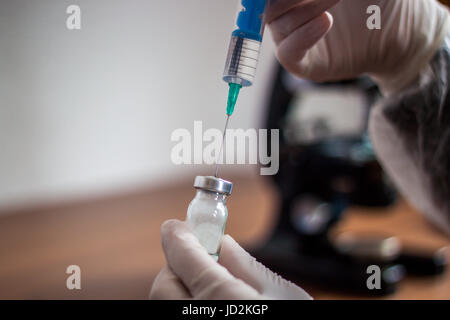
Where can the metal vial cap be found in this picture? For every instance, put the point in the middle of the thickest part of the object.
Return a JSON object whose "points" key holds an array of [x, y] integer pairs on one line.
{"points": [[213, 184]]}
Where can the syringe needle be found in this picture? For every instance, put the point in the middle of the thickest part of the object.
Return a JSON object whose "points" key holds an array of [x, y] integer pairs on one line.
{"points": [[221, 146]]}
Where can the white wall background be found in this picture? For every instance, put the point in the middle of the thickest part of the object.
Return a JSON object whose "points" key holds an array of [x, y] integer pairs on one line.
{"points": [[91, 111]]}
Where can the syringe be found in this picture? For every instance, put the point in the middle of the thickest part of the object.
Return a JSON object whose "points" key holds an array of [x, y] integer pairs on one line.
{"points": [[243, 50], [243, 54]]}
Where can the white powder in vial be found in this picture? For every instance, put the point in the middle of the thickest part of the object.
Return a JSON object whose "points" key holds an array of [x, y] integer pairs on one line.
{"points": [[209, 236]]}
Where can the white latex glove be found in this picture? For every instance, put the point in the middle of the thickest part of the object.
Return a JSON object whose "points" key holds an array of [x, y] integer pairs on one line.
{"points": [[192, 273], [411, 32]]}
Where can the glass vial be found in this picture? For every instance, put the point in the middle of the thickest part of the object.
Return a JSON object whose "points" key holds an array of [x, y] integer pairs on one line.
{"points": [[207, 213]]}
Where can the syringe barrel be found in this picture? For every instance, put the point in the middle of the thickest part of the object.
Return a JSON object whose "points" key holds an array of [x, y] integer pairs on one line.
{"points": [[242, 59], [245, 43]]}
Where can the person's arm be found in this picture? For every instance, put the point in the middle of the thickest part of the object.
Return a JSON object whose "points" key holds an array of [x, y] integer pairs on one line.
{"points": [[409, 61], [411, 135]]}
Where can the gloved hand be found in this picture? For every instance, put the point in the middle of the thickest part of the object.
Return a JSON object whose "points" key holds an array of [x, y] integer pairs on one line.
{"points": [[408, 58], [411, 32], [192, 273]]}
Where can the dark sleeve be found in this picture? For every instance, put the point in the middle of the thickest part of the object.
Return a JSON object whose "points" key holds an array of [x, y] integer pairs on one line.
{"points": [[418, 122]]}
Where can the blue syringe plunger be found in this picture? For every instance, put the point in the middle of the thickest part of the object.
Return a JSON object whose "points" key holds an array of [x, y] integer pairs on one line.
{"points": [[250, 20]]}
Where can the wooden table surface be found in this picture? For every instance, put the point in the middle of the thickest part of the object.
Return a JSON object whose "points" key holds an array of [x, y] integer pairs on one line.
{"points": [[116, 241]]}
